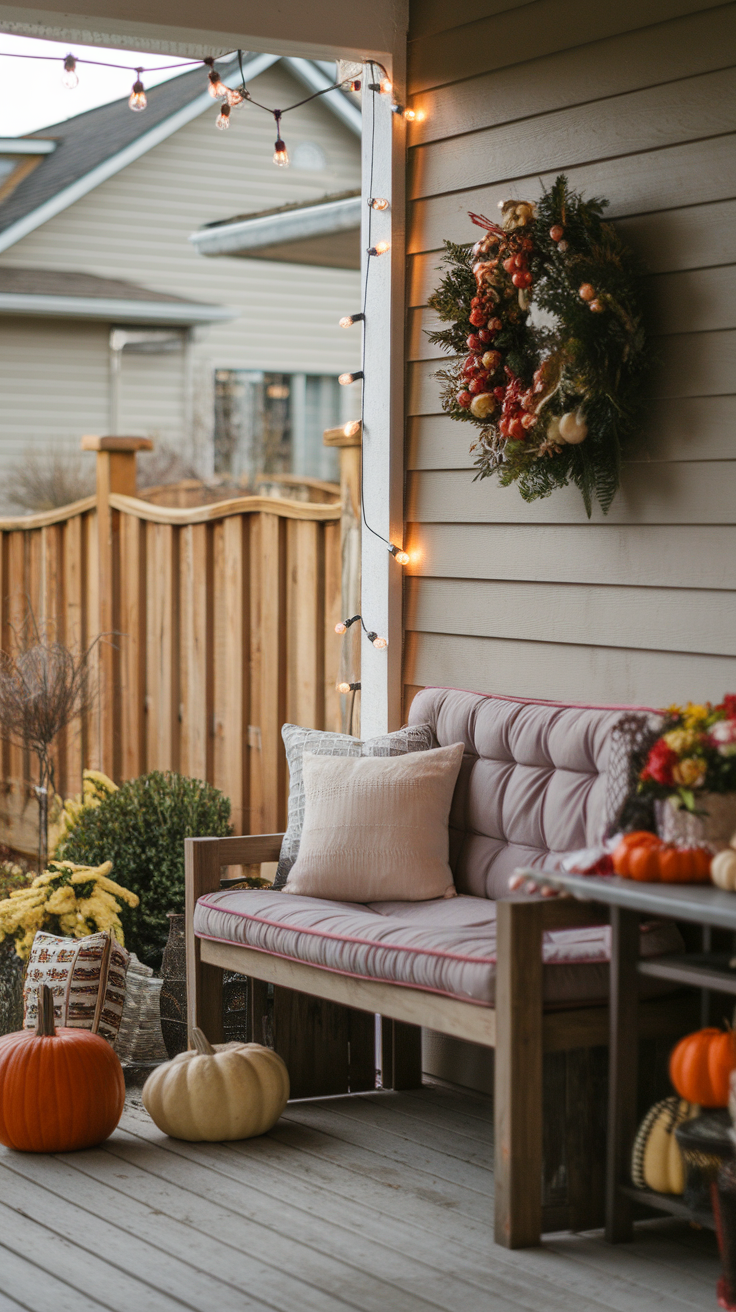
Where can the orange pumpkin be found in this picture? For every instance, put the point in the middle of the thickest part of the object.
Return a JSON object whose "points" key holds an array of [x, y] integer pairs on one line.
{"points": [[701, 1064], [645, 857], [59, 1089]]}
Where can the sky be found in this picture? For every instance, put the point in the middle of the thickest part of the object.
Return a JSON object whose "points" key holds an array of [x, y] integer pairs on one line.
{"points": [[32, 95]]}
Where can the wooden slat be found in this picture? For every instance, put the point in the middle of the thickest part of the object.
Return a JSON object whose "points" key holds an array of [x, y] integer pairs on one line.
{"points": [[231, 713], [610, 616], [332, 613], [132, 642], [91, 754], [272, 636], [162, 701], [279, 506], [649, 494], [73, 574], [535, 29], [649, 556], [599, 675], [689, 428], [305, 625], [196, 582], [676, 176], [680, 48]]}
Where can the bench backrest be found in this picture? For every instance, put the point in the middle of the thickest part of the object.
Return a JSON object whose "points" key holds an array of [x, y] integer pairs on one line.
{"points": [[537, 779]]}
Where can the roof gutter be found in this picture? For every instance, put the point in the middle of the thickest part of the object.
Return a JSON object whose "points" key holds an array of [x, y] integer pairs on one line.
{"points": [[113, 309], [109, 167], [26, 146], [268, 229]]}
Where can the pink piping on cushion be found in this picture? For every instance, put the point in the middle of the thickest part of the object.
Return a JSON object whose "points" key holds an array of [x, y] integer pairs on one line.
{"points": [[345, 938], [538, 701], [348, 974]]}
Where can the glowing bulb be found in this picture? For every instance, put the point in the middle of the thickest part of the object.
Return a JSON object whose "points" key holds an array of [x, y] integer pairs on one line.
{"points": [[235, 98], [354, 85], [343, 687], [137, 99], [341, 627], [380, 643], [280, 154], [69, 77], [380, 248], [346, 379], [217, 88], [351, 428], [223, 118], [378, 203], [386, 86], [349, 319], [410, 114]]}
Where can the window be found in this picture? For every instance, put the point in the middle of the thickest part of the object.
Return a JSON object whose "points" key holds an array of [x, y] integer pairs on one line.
{"points": [[269, 423]]}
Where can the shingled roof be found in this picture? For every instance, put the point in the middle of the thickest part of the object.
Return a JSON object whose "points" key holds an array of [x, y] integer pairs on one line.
{"points": [[88, 139]]}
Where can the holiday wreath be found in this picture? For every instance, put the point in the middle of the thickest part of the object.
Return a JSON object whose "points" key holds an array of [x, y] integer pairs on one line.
{"points": [[556, 394]]}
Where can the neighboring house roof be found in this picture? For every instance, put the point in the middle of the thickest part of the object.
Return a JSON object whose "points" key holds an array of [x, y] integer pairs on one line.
{"points": [[93, 146], [53, 294], [324, 232]]}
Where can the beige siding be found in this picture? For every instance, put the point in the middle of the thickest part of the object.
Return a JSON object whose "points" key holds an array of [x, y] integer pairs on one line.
{"points": [[136, 226], [634, 101]]}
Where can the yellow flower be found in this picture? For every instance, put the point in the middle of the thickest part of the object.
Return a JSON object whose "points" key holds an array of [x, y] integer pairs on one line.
{"points": [[690, 772], [696, 716], [61, 901], [682, 740]]}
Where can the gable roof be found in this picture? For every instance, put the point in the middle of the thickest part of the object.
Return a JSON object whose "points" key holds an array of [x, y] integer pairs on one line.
{"points": [[324, 231], [58, 294], [93, 146]]}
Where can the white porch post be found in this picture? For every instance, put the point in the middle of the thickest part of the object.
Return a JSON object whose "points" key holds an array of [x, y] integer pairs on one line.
{"points": [[383, 432]]}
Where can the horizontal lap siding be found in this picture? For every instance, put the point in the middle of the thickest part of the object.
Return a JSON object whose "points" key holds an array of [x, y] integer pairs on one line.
{"points": [[636, 102]]}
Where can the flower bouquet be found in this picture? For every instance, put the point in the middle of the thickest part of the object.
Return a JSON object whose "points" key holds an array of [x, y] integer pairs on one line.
{"points": [[691, 773], [68, 900]]}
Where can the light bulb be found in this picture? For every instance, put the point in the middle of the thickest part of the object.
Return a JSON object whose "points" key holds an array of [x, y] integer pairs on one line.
{"points": [[378, 203], [346, 379], [410, 114], [280, 154], [386, 86], [380, 643], [351, 428], [223, 118], [401, 556], [137, 99], [217, 88], [343, 687], [350, 319], [341, 627], [69, 77], [235, 98], [380, 248]]}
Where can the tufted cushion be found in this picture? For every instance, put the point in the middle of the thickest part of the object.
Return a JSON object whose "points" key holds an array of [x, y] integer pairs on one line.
{"points": [[533, 784]]}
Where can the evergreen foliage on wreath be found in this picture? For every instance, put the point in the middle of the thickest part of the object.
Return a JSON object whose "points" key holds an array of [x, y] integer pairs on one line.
{"points": [[558, 394]]}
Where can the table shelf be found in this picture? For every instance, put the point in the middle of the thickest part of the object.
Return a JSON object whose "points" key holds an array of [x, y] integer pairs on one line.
{"points": [[700, 970], [671, 1203]]}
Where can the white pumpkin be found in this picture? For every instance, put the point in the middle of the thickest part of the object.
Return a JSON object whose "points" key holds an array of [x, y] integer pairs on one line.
{"points": [[723, 869], [229, 1091], [573, 428]]}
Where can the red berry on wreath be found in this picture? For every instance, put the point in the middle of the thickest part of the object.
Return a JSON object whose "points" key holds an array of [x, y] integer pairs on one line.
{"points": [[503, 427], [478, 318], [557, 232], [495, 325], [477, 384], [474, 343], [485, 336], [510, 264], [464, 399], [522, 279], [520, 261], [516, 430], [475, 302], [587, 292], [596, 305], [499, 393]]}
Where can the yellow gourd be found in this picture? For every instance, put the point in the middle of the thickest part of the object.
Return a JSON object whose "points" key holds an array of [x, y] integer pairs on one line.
{"points": [[657, 1161], [723, 868], [229, 1091]]}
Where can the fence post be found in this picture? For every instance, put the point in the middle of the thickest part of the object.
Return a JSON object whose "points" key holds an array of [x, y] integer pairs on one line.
{"points": [[116, 473], [349, 443]]}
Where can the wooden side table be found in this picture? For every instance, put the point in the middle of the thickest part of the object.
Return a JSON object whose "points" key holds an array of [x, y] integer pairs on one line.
{"points": [[702, 905]]}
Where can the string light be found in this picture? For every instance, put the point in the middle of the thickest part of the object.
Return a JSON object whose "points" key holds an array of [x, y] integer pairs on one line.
{"points": [[385, 86], [137, 99], [378, 203], [235, 97], [349, 319], [343, 625], [280, 153], [346, 379], [70, 77], [350, 429], [380, 248], [348, 687], [401, 556], [223, 118], [217, 88]]}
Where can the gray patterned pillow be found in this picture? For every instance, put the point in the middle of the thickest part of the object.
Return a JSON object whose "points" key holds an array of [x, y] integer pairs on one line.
{"points": [[297, 741]]}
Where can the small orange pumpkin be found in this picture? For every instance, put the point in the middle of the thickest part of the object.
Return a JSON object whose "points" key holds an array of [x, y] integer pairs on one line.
{"points": [[59, 1089], [701, 1064], [644, 857]]}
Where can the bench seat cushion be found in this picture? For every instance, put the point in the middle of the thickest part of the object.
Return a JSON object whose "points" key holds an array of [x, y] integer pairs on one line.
{"points": [[446, 947]]}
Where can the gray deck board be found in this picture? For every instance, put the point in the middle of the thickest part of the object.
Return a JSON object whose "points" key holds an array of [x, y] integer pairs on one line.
{"points": [[378, 1202]]}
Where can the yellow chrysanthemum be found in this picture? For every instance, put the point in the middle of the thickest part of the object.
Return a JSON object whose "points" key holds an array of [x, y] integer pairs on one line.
{"points": [[682, 741], [696, 715]]}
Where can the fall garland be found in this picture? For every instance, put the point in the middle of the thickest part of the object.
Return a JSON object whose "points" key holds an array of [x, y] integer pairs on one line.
{"points": [[548, 309]]}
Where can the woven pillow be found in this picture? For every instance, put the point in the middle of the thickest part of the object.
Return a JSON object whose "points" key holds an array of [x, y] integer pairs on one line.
{"points": [[377, 830], [297, 741], [76, 969]]}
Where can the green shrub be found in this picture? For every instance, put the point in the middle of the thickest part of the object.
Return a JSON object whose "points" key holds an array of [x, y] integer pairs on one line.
{"points": [[141, 828]]}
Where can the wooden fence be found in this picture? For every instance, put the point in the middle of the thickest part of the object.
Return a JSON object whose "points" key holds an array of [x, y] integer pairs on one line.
{"points": [[217, 623]]}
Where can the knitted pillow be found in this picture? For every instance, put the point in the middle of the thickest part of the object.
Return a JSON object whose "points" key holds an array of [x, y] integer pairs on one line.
{"points": [[86, 977], [297, 741]]}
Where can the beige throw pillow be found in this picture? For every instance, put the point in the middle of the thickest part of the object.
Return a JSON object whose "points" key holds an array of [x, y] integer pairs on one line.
{"points": [[375, 828]]}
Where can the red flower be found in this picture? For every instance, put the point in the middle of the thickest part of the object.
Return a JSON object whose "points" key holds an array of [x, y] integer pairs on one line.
{"points": [[729, 706], [659, 764]]}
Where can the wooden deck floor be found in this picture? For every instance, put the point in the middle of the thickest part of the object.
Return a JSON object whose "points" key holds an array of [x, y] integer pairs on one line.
{"points": [[377, 1203]]}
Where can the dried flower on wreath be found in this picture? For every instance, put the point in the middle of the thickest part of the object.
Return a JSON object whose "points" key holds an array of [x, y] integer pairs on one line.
{"points": [[547, 327]]}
